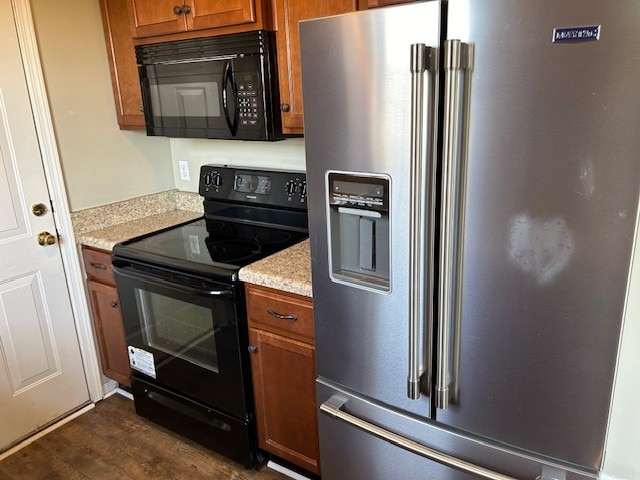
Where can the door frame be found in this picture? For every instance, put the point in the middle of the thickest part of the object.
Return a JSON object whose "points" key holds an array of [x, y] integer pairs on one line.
{"points": [[57, 192]]}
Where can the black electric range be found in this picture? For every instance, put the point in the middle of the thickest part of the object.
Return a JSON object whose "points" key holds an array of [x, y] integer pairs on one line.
{"points": [[184, 311]]}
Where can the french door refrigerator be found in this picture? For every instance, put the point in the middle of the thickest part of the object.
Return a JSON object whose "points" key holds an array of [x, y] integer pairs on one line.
{"points": [[473, 177]]}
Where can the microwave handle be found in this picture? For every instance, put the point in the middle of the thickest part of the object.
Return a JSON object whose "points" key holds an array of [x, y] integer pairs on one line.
{"points": [[228, 78]]}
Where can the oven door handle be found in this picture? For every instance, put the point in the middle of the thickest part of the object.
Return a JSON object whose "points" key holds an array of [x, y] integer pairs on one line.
{"points": [[166, 283]]}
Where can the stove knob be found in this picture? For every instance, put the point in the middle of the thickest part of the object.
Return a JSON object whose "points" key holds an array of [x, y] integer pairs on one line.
{"points": [[207, 179], [217, 179], [303, 192], [291, 187]]}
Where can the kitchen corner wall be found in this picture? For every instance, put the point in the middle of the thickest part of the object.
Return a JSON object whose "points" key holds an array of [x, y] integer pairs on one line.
{"points": [[101, 163], [284, 155]]}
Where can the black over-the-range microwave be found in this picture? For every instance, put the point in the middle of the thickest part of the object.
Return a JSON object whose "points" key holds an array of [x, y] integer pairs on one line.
{"points": [[215, 87]]}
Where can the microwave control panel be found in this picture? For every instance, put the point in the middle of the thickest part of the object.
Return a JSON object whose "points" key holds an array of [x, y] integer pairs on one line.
{"points": [[248, 99]]}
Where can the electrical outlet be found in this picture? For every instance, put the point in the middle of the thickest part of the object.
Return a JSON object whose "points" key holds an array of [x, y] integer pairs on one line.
{"points": [[184, 170]]}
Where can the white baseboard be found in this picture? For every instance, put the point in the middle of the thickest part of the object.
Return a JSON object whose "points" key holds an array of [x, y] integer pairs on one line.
{"points": [[285, 471], [124, 393]]}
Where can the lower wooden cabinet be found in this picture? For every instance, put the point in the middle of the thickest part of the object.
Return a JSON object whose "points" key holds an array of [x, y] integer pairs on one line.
{"points": [[107, 316], [284, 373]]}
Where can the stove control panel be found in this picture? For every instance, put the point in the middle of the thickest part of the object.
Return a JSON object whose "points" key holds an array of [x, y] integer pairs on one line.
{"points": [[266, 187]]}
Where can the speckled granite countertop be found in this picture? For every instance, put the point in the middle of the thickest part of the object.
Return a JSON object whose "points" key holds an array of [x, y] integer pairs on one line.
{"points": [[106, 238], [288, 270], [104, 226]]}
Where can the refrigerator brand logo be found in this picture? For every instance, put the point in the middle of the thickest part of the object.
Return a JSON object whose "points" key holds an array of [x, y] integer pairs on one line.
{"points": [[576, 34]]}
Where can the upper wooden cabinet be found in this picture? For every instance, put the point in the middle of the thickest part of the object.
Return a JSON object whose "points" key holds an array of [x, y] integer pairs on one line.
{"points": [[287, 14], [164, 17], [122, 64], [365, 4]]}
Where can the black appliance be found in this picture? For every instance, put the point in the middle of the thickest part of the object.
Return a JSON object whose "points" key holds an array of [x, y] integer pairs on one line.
{"points": [[184, 309], [215, 87]]}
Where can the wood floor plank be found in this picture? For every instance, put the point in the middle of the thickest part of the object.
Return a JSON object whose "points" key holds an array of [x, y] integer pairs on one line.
{"points": [[73, 446], [35, 463], [4, 476], [112, 453], [112, 442]]}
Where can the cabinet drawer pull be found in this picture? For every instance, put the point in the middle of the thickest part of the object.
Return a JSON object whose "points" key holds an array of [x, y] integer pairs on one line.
{"points": [[292, 317], [98, 265]]}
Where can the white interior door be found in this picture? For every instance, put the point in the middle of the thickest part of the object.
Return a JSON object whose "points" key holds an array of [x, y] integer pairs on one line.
{"points": [[41, 370]]}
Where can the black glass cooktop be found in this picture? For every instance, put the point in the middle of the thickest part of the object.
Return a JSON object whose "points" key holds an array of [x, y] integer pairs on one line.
{"points": [[209, 246]]}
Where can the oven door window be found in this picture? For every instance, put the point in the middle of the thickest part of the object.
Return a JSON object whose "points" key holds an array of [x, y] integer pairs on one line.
{"points": [[179, 329]]}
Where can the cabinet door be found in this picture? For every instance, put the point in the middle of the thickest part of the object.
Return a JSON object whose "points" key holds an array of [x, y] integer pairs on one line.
{"points": [[156, 17], [284, 376], [222, 13], [287, 14], [364, 4], [109, 328], [122, 64]]}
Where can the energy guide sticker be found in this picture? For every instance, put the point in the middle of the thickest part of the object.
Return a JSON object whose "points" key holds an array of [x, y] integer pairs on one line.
{"points": [[142, 361]]}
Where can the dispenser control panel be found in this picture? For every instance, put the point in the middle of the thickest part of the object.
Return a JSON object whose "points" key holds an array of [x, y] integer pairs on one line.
{"points": [[358, 191], [358, 227]]}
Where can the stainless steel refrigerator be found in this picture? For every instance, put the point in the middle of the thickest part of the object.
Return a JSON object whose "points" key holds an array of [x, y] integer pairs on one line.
{"points": [[473, 176]]}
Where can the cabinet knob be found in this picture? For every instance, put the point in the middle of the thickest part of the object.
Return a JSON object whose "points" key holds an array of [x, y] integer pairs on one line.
{"points": [[182, 9], [252, 349], [141, 108], [284, 107], [114, 304]]}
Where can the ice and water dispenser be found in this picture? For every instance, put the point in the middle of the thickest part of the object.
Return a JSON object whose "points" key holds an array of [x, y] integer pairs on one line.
{"points": [[359, 236]]}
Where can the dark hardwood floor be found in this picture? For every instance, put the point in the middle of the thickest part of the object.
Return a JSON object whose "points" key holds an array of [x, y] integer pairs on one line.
{"points": [[112, 442]]}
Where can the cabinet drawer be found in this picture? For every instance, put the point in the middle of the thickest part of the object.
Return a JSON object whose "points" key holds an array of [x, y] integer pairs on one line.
{"points": [[279, 310], [97, 264]]}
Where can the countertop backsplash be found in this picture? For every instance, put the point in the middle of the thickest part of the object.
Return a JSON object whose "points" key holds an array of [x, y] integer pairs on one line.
{"points": [[121, 212]]}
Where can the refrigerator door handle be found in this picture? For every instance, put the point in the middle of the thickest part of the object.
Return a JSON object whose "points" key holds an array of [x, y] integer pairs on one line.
{"points": [[457, 57], [421, 57], [333, 408]]}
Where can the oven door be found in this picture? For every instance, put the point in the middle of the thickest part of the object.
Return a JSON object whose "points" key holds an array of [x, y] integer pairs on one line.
{"points": [[185, 336]]}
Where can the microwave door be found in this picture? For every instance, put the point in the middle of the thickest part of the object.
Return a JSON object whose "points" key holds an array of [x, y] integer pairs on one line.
{"points": [[187, 100]]}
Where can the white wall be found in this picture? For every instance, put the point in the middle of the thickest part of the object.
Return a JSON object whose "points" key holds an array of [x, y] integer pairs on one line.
{"points": [[284, 155], [101, 163], [622, 457]]}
